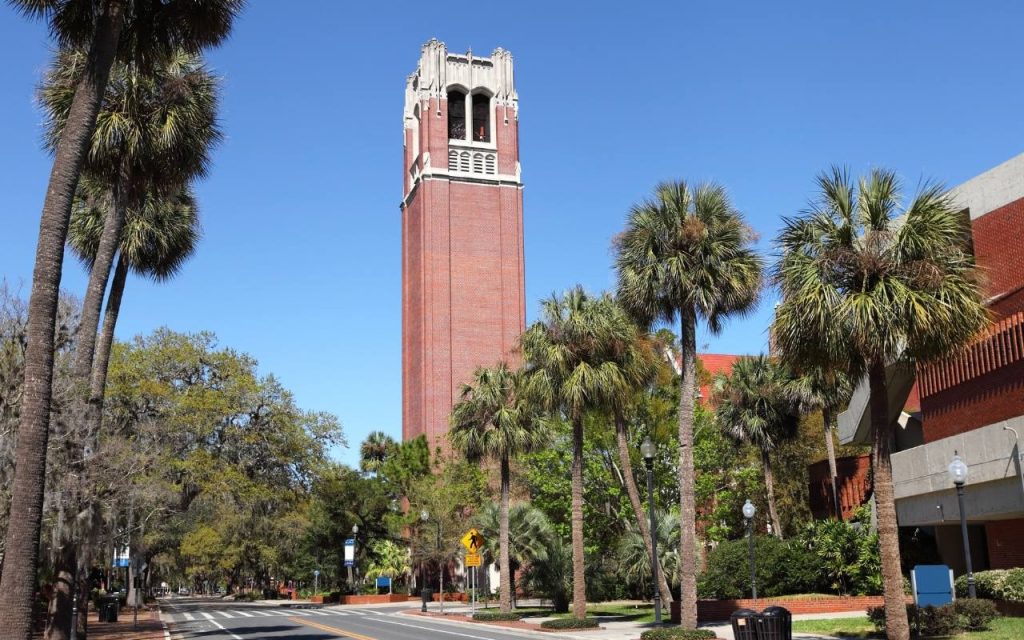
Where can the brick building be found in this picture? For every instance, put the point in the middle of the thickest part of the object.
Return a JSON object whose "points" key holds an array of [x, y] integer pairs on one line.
{"points": [[463, 300], [972, 403]]}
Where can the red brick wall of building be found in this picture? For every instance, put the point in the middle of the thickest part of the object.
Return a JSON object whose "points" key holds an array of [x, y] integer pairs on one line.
{"points": [[463, 289], [1005, 543], [997, 393], [854, 485]]}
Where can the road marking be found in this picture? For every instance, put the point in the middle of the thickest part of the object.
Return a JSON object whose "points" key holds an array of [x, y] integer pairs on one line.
{"points": [[243, 613], [434, 629], [188, 616], [263, 613], [206, 615], [330, 629], [221, 627], [317, 612], [226, 614]]}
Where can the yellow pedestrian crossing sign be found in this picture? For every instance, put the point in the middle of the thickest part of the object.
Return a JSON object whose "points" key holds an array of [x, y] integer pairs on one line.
{"points": [[473, 541], [472, 559]]}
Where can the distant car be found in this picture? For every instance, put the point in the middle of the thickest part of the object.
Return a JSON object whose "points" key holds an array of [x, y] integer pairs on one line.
{"points": [[183, 591]]}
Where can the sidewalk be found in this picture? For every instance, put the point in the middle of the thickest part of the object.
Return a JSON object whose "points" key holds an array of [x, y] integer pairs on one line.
{"points": [[611, 627], [150, 627]]}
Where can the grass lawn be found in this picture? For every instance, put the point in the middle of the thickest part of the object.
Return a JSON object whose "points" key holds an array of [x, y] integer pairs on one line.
{"points": [[1001, 628], [635, 613]]}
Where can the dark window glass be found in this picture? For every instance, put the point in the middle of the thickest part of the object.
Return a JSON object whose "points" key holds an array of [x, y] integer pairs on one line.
{"points": [[456, 115], [481, 118]]}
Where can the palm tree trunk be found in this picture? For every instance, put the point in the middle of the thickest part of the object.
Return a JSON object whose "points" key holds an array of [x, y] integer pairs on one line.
{"points": [[579, 585], [59, 625], [769, 484], [629, 480], [687, 500], [827, 419], [896, 625], [18, 581], [503, 564], [101, 362], [99, 275]]}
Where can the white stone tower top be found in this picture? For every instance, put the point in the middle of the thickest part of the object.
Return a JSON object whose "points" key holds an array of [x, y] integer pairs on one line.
{"points": [[439, 71]]}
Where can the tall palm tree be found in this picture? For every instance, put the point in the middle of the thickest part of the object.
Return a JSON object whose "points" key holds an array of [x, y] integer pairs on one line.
{"points": [[374, 450], [755, 406], [493, 419], [141, 30], [571, 361], [686, 254], [155, 130], [865, 284], [639, 360], [826, 390]]}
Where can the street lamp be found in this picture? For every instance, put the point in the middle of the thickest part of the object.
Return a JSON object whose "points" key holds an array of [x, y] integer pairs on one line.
{"points": [[958, 474], [748, 514], [353, 569], [647, 450], [425, 517]]}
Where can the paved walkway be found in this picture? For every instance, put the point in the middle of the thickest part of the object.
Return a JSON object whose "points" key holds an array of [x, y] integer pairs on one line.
{"points": [[613, 629], [149, 628]]}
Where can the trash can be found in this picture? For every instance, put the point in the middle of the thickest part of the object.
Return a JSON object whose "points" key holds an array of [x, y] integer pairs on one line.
{"points": [[744, 624], [108, 610], [776, 623], [426, 596]]}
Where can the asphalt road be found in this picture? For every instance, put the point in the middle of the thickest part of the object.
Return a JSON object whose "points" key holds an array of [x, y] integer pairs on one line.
{"points": [[198, 619]]}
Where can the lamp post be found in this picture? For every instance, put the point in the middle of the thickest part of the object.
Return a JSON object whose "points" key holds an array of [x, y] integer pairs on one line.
{"points": [[351, 581], [647, 450], [425, 517], [958, 474], [748, 514]]}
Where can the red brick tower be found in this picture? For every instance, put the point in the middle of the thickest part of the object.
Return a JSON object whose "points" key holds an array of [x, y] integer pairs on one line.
{"points": [[463, 300]]}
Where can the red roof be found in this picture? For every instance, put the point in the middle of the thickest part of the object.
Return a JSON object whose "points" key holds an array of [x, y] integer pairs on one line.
{"points": [[714, 364]]}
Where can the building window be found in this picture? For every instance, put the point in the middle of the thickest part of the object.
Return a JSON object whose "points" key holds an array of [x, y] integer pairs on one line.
{"points": [[481, 118], [456, 115]]}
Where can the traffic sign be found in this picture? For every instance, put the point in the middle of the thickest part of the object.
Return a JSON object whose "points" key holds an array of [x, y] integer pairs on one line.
{"points": [[472, 559], [473, 541]]}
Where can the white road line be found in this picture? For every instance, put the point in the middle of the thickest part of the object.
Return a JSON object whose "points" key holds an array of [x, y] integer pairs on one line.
{"points": [[317, 612], [188, 616], [434, 629], [226, 614], [263, 613], [243, 613], [205, 615], [219, 626]]}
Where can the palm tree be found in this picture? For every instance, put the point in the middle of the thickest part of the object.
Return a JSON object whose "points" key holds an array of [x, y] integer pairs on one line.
{"points": [[390, 560], [154, 131], [160, 235], [827, 390], [864, 285], [141, 30], [755, 406], [570, 357], [493, 419], [638, 360], [635, 556], [529, 535], [374, 450], [686, 254]]}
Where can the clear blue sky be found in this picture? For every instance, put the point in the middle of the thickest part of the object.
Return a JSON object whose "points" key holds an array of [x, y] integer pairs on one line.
{"points": [[300, 263]]}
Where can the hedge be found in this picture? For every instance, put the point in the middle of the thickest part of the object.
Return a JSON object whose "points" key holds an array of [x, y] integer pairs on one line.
{"points": [[496, 616], [678, 633], [949, 619], [997, 584], [570, 623]]}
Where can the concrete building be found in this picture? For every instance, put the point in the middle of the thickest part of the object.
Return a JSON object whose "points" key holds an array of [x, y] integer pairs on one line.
{"points": [[463, 291], [971, 403]]}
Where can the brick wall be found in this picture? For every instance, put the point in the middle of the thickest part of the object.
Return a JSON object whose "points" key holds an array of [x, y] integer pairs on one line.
{"points": [[854, 485], [1005, 543], [986, 385]]}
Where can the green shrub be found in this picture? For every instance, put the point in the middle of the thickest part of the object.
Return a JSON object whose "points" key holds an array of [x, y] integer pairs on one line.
{"points": [[247, 596], [494, 616], [570, 623], [677, 633], [783, 568], [961, 615], [998, 584], [974, 615]]}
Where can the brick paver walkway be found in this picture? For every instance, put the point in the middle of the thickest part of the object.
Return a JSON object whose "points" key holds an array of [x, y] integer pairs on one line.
{"points": [[150, 627]]}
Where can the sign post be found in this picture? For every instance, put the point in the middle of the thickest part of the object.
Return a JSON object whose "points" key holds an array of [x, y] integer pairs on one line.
{"points": [[316, 581], [473, 541]]}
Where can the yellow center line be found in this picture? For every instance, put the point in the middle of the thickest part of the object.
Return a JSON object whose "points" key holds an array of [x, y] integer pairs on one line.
{"points": [[324, 627]]}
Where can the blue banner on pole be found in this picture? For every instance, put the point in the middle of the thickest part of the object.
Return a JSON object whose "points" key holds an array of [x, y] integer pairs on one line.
{"points": [[350, 552]]}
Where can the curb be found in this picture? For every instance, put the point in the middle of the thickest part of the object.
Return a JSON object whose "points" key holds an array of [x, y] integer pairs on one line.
{"points": [[465, 623]]}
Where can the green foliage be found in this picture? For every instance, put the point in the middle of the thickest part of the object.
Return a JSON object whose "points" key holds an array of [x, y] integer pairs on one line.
{"points": [[783, 567], [551, 577], [570, 623], [495, 616], [847, 553], [677, 633], [997, 584], [949, 619]]}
